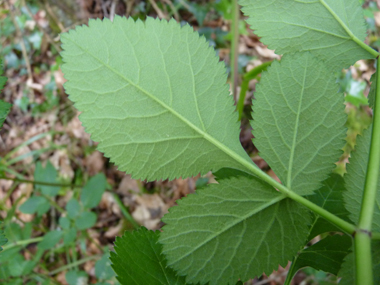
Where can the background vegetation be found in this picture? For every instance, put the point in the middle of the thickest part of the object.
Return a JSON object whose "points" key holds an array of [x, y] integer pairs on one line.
{"points": [[61, 227]]}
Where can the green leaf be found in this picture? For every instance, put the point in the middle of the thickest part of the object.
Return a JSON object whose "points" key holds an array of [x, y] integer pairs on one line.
{"points": [[50, 240], [322, 27], [227, 231], [76, 277], [3, 239], [73, 208], [355, 180], [48, 175], [85, 220], [138, 260], [4, 110], [93, 190], [372, 91], [347, 271], [326, 255], [329, 197], [103, 269], [154, 96], [69, 236], [3, 79], [299, 121], [35, 204], [64, 222]]}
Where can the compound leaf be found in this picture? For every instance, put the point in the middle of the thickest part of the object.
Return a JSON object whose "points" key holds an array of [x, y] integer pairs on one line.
{"points": [[326, 255], [333, 30], [355, 180], [329, 197], [299, 121], [233, 230], [138, 260], [154, 96]]}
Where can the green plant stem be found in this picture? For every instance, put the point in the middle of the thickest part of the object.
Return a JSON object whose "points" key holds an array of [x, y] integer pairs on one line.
{"points": [[363, 258], [363, 235], [21, 242], [234, 46], [252, 74], [348, 31], [125, 212], [76, 263], [41, 182]]}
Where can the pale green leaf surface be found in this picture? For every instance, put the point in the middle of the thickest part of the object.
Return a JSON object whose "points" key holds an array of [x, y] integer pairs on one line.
{"points": [[355, 180], [238, 228], [331, 29], [298, 121], [327, 255], [154, 96], [347, 271], [330, 198], [138, 260]]}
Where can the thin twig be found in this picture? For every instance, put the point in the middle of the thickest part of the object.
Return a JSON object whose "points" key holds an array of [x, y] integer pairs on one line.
{"points": [[160, 14], [173, 8]]}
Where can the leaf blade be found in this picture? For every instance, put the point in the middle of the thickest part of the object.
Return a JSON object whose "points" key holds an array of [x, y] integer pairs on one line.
{"points": [[321, 27], [232, 222], [139, 250], [299, 121], [141, 96]]}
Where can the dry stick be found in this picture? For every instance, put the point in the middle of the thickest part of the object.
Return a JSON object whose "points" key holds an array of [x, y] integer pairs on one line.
{"points": [[175, 11], [129, 4], [53, 16], [112, 10], [22, 44], [160, 14], [48, 37]]}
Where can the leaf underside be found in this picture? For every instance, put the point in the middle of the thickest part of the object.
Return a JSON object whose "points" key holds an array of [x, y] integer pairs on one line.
{"points": [[355, 180], [138, 260], [153, 95], [330, 198], [298, 121], [322, 27], [239, 228], [327, 255]]}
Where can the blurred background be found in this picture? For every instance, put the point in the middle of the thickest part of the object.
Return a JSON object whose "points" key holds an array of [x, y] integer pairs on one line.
{"points": [[61, 227]]}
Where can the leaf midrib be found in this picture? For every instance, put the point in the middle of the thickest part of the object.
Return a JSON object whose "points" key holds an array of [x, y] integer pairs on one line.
{"points": [[212, 140], [227, 227]]}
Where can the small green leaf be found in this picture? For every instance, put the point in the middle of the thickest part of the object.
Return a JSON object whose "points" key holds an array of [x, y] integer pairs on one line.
{"points": [[103, 269], [3, 239], [4, 110], [299, 121], [160, 116], [138, 260], [48, 175], [227, 231], [372, 91], [35, 204], [3, 80], [329, 197], [85, 220], [321, 27], [93, 190], [355, 180], [72, 208], [326, 255], [69, 236], [50, 240], [64, 222], [76, 277]]}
